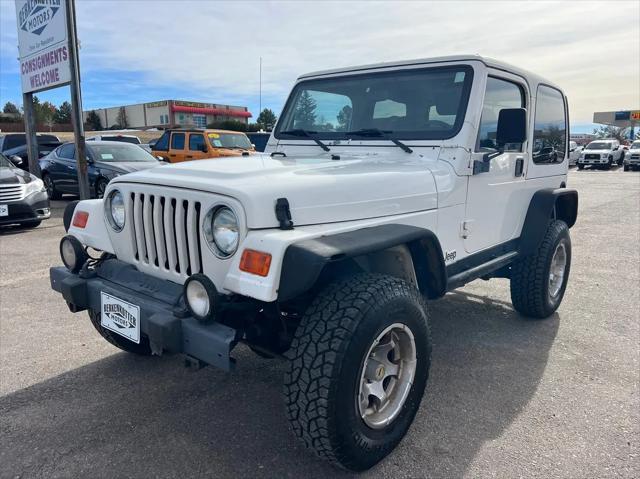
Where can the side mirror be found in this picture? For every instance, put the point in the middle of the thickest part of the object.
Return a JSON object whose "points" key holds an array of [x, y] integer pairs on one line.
{"points": [[512, 126], [253, 145], [16, 160]]}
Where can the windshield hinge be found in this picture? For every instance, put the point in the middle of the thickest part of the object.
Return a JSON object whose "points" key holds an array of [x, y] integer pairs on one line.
{"points": [[283, 214]]}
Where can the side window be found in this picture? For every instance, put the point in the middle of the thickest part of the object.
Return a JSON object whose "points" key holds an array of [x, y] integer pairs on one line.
{"points": [[66, 151], [163, 142], [196, 142], [500, 94], [550, 127], [177, 141]]}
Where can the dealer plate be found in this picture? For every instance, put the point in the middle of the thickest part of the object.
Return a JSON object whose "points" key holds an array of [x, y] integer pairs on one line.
{"points": [[120, 317], [4, 210]]}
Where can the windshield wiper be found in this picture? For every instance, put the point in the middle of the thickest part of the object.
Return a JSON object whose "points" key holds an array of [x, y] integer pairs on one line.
{"points": [[308, 134], [381, 134]]}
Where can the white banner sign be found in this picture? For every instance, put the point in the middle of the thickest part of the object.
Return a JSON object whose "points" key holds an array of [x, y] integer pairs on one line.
{"points": [[42, 42]]}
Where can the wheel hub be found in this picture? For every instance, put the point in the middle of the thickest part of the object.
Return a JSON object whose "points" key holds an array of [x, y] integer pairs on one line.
{"points": [[387, 376], [557, 270]]}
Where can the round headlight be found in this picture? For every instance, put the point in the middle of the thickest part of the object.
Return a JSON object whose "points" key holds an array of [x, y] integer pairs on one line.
{"points": [[222, 230], [115, 210]]}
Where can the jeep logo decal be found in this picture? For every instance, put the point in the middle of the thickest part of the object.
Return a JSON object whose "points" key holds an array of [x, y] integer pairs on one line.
{"points": [[449, 256], [35, 15]]}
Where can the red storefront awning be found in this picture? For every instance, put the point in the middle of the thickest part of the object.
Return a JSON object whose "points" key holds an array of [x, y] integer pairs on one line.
{"points": [[210, 111]]}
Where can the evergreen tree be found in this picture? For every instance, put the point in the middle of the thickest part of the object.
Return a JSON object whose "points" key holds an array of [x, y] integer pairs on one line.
{"points": [[267, 119], [93, 120], [63, 114], [11, 109], [305, 113], [344, 117]]}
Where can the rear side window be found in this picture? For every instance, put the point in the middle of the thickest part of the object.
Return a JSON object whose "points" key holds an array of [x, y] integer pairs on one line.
{"points": [[13, 141], [500, 94], [163, 142], [177, 141], [196, 142], [66, 151], [550, 127]]}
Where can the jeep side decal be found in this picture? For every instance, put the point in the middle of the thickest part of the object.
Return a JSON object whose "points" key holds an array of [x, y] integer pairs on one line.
{"points": [[449, 256]]}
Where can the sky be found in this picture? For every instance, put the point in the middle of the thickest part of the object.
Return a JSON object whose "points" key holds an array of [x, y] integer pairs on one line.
{"points": [[139, 51]]}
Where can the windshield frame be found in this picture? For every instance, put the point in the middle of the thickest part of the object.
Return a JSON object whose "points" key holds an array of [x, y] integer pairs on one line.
{"points": [[399, 135]]}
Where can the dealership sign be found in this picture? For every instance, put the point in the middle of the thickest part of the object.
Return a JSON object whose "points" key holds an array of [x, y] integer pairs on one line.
{"points": [[42, 43]]}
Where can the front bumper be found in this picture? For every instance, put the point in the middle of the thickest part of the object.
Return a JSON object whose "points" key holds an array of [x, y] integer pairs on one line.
{"points": [[163, 317], [34, 207], [592, 161]]}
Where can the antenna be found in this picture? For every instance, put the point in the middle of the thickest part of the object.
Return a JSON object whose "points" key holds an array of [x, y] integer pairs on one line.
{"points": [[260, 89]]}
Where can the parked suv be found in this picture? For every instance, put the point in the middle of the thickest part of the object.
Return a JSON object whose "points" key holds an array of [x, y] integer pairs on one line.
{"points": [[381, 186], [602, 154], [574, 153], [632, 158], [179, 145]]}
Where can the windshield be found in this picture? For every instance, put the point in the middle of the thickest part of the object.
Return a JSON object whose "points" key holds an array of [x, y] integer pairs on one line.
{"points": [[410, 104], [635, 145], [599, 145], [229, 140], [5, 163], [119, 152], [123, 139]]}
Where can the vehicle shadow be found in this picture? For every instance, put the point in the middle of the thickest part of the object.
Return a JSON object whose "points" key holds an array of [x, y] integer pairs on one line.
{"points": [[148, 417]]}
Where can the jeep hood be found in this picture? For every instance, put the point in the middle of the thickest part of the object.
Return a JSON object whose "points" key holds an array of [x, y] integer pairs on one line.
{"points": [[319, 189]]}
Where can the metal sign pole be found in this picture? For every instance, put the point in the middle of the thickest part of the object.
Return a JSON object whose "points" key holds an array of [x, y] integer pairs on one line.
{"points": [[76, 102], [30, 134]]}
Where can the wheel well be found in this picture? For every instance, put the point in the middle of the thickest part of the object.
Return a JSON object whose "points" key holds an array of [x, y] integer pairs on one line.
{"points": [[419, 263], [566, 209]]}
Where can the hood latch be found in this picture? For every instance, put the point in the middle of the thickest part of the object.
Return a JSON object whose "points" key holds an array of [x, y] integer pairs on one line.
{"points": [[283, 214]]}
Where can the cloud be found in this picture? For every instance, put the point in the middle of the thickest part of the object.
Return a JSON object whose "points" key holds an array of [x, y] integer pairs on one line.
{"points": [[211, 50]]}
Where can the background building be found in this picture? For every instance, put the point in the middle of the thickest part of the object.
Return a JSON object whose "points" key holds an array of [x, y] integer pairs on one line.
{"points": [[170, 113]]}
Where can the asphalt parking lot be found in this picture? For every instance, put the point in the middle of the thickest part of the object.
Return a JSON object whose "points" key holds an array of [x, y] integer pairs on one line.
{"points": [[506, 397]]}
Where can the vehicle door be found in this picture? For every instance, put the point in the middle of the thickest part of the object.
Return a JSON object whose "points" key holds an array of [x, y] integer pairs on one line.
{"points": [[197, 148], [160, 148], [177, 152], [493, 211], [63, 169]]}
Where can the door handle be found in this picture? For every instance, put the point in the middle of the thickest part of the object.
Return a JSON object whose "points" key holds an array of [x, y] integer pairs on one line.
{"points": [[519, 166]]}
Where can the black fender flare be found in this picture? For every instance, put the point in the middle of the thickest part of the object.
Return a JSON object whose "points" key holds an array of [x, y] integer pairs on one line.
{"points": [[305, 260], [563, 201], [68, 214]]}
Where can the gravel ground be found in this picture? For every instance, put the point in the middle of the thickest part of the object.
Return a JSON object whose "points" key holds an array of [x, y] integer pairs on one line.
{"points": [[506, 397]]}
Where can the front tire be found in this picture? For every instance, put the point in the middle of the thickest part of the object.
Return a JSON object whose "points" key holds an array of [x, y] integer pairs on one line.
{"points": [[52, 193], [143, 348], [580, 166], [358, 367], [538, 281], [626, 167], [101, 187]]}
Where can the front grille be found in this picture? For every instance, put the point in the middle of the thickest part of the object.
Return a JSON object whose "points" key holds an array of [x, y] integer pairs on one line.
{"points": [[591, 156], [12, 192], [635, 156], [166, 232]]}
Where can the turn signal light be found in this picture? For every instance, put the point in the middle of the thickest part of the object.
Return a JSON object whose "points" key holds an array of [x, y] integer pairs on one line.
{"points": [[80, 219], [255, 262]]}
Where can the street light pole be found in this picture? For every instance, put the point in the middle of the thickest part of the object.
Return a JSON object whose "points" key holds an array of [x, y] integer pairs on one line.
{"points": [[76, 102]]}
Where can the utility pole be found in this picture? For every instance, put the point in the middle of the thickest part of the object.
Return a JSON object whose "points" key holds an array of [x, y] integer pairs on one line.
{"points": [[260, 88], [30, 134], [76, 102]]}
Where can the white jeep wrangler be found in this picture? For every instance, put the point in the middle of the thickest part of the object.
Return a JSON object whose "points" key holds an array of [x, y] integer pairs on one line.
{"points": [[382, 186]]}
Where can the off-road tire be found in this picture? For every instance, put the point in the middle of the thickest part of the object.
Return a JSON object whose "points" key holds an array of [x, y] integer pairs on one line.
{"points": [[51, 188], [580, 167], [118, 341], [626, 167], [530, 275], [325, 362]]}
